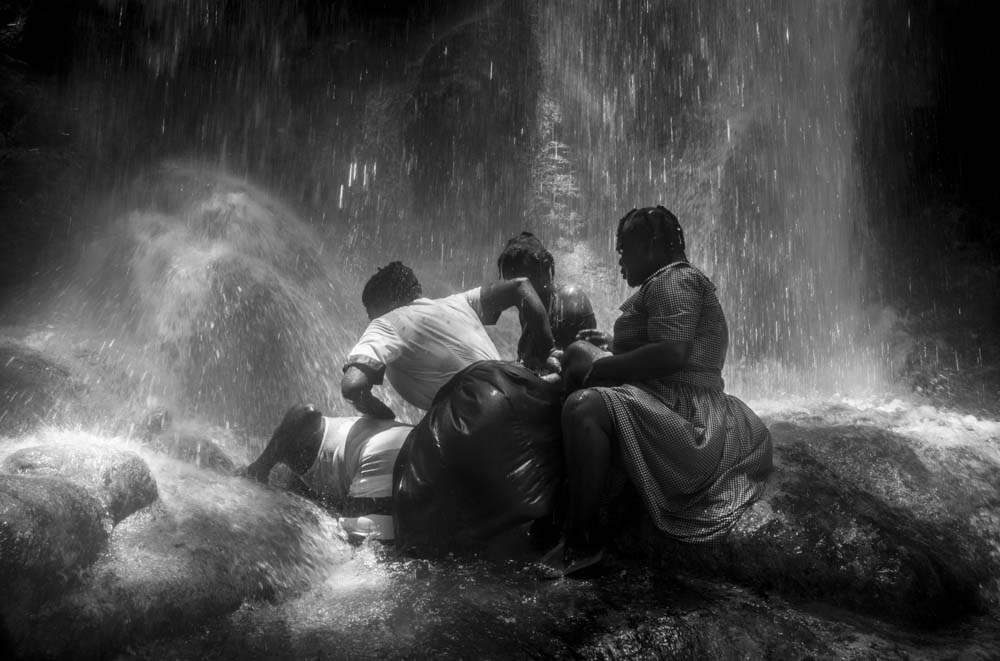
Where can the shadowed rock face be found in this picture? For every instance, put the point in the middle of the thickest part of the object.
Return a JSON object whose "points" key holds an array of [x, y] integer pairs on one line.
{"points": [[50, 529], [48, 525], [865, 518]]}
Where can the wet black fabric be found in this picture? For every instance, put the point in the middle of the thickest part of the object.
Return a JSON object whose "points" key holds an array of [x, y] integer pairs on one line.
{"points": [[487, 457]]}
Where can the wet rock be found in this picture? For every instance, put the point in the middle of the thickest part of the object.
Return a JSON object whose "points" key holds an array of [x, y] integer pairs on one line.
{"points": [[196, 444], [283, 477], [196, 449], [209, 544], [120, 480], [861, 517], [50, 529]]}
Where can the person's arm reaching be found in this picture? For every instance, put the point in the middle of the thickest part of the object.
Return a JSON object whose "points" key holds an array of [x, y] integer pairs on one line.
{"points": [[650, 361], [498, 296], [356, 387]]}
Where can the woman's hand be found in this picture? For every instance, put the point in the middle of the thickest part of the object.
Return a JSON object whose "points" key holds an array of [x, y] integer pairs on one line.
{"points": [[600, 339], [553, 365]]}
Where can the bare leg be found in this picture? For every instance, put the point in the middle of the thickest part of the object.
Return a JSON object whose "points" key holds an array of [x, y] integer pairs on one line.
{"points": [[295, 442], [588, 443]]}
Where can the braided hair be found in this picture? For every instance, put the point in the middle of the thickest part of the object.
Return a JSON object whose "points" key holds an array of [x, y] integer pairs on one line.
{"points": [[393, 283], [653, 223], [525, 249]]}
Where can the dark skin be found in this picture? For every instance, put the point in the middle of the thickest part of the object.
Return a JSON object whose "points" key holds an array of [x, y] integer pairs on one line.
{"points": [[295, 443], [541, 282], [540, 278], [639, 259], [588, 432], [357, 384]]}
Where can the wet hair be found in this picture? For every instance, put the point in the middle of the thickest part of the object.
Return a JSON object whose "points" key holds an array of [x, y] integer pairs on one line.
{"points": [[525, 248], [653, 223], [392, 283]]}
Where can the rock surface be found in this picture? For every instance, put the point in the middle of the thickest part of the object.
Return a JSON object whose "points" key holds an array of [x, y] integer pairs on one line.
{"points": [[196, 449], [207, 545], [50, 529], [861, 517]]}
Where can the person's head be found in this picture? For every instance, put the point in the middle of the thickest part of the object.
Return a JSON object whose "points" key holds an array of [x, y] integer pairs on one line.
{"points": [[524, 256], [570, 313], [392, 286], [648, 239]]}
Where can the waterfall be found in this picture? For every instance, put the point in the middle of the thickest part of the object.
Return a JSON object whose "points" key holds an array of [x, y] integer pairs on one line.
{"points": [[736, 116], [432, 137]]}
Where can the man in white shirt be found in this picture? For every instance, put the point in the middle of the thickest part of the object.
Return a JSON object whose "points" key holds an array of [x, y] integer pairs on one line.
{"points": [[419, 344]]}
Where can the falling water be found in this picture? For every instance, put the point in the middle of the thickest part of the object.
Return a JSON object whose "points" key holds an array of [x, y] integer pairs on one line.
{"points": [[736, 116], [230, 305], [432, 140]]}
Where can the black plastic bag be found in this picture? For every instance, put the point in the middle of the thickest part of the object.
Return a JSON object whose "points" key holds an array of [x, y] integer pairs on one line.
{"points": [[486, 457]]}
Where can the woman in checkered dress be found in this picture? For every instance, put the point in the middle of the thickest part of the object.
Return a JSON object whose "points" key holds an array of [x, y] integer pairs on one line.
{"points": [[655, 404]]}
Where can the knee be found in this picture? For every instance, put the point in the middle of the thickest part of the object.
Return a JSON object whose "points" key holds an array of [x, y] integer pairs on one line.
{"points": [[581, 408]]}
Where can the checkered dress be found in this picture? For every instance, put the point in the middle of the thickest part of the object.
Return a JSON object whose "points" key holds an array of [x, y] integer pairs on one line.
{"points": [[697, 456]]}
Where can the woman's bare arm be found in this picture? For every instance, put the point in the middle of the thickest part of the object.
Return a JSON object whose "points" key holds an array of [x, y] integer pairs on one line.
{"points": [[518, 292], [650, 361]]}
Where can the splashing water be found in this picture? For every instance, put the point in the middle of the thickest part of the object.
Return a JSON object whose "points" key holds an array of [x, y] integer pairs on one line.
{"points": [[227, 295]]}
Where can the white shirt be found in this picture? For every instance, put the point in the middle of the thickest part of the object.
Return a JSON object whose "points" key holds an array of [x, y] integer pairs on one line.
{"points": [[420, 346], [356, 458]]}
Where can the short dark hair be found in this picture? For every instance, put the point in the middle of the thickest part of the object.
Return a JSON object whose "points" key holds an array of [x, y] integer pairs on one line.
{"points": [[525, 248], [651, 223], [392, 283]]}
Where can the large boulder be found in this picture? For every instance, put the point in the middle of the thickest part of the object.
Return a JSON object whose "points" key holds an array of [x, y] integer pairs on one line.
{"points": [[58, 504], [863, 517], [209, 543], [119, 479], [50, 529]]}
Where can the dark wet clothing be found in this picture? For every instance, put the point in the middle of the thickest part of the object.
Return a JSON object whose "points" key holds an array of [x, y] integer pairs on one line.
{"points": [[697, 456]]}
